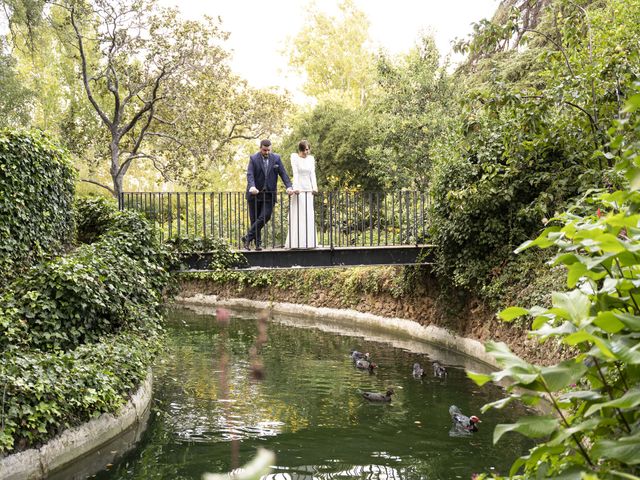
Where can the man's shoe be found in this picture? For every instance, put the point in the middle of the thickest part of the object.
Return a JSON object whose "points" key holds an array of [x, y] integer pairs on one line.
{"points": [[258, 248], [245, 243]]}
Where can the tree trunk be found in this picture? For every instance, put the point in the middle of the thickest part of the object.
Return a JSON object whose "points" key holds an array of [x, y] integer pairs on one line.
{"points": [[116, 174]]}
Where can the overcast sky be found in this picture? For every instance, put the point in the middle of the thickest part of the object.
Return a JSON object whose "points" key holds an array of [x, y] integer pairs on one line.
{"points": [[259, 29]]}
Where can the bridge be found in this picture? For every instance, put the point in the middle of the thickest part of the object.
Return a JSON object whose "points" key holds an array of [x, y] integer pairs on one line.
{"points": [[351, 228]]}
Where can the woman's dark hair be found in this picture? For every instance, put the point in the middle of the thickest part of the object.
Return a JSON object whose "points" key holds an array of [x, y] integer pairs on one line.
{"points": [[303, 145]]}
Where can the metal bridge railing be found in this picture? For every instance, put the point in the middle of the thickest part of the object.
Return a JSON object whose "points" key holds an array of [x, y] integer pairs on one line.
{"points": [[341, 219]]}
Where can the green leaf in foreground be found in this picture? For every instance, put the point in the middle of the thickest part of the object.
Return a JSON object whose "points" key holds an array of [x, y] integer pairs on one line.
{"points": [[532, 427], [625, 449]]}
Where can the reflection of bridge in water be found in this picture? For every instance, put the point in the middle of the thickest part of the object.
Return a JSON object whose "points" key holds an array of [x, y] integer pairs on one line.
{"points": [[351, 228]]}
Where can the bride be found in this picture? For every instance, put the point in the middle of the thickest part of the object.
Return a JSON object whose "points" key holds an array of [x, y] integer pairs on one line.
{"points": [[302, 228]]}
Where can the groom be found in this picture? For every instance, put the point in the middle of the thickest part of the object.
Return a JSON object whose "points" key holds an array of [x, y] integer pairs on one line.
{"points": [[262, 182]]}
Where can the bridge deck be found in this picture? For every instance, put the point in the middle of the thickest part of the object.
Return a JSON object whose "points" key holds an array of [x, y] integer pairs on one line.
{"points": [[321, 257]]}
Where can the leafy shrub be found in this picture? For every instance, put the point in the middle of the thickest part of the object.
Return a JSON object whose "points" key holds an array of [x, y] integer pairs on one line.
{"points": [[99, 289], [81, 297], [596, 394], [93, 216], [79, 332], [46, 392], [36, 195], [222, 258]]}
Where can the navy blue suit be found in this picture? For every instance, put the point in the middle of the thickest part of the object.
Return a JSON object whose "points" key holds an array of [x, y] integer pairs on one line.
{"points": [[261, 205]]}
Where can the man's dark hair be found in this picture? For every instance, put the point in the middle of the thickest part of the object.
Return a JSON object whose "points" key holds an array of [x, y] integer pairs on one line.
{"points": [[265, 143]]}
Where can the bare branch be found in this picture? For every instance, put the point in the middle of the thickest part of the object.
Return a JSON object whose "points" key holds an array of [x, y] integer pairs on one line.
{"points": [[148, 105], [88, 180], [85, 78]]}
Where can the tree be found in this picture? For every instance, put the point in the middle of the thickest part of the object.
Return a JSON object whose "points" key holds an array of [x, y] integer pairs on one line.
{"points": [[339, 137], [413, 116], [333, 54], [156, 89], [527, 114], [595, 394], [14, 97]]}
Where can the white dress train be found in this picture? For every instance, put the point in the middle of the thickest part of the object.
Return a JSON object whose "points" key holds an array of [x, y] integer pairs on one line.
{"points": [[302, 225]]}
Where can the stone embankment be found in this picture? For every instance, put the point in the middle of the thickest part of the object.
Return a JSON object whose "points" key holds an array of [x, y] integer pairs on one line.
{"points": [[74, 444], [472, 320]]}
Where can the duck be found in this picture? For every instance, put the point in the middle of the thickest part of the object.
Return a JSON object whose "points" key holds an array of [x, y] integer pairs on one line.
{"points": [[462, 422], [378, 397], [363, 364], [356, 355], [418, 371], [439, 370]]}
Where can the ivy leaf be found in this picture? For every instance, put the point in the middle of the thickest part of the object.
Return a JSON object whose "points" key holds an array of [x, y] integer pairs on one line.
{"points": [[532, 427]]}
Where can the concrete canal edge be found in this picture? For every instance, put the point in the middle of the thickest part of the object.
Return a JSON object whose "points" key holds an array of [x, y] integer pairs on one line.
{"points": [[77, 442], [429, 333]]}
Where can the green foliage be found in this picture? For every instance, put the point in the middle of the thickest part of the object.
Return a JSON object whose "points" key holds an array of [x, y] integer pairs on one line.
{"points": [[412, 117], [79, 332], [332, 53], [46, 392], [94, 215], [222, 258], [349, 285], [595, 394], [36, 195], [81, 297], [527, 115], [165, 101], [113, 284], [340, 138], [14, 97]]}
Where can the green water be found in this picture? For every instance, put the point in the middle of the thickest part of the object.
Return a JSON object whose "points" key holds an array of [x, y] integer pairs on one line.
{"points": [[210, 414]]}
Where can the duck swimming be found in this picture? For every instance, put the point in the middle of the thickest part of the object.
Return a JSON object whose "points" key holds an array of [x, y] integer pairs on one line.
{"points": [[378, 397], [356, 355], [462, 422], [363, 364], [439, 370], [418, 371]]}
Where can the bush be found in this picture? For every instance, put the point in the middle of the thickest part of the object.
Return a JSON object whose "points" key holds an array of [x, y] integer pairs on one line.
{"points": [[81, 297], [100, 289], [46, 392], [94, 215], [595, 395], [36, 194], [79, 332]]}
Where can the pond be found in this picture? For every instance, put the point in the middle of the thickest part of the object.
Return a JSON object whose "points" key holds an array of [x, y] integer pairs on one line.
{"points": [[210, 412]]}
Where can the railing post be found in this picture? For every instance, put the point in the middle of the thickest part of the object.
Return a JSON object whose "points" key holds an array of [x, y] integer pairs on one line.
{"points": [[331, 220]]}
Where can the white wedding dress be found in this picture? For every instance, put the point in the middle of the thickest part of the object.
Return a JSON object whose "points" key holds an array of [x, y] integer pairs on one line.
{"points": [[302, 225]]}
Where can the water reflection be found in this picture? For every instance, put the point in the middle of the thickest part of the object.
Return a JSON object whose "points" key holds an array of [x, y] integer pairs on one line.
{"points": [[365, 472], [211, 412]]}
